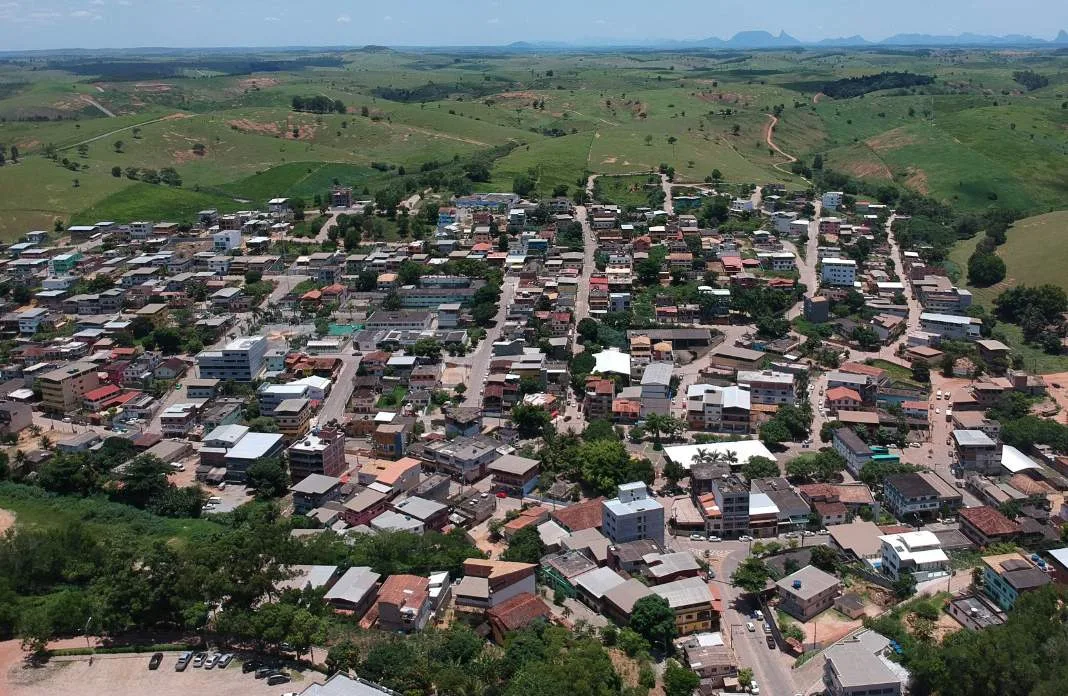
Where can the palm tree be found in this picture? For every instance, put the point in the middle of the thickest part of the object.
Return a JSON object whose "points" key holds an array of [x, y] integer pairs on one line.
{"points": [[657, 423], [566, 611]]}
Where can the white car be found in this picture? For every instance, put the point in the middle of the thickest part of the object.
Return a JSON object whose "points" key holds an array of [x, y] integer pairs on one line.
{"points": [[754, 688], [714, 538], [750, 627], [696, 537], [745, 537]]}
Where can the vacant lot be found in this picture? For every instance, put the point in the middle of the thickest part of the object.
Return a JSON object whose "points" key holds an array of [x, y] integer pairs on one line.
{"points": [[128, 675]]}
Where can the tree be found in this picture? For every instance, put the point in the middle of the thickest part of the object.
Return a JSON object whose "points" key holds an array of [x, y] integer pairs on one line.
{"points": [[343, 657], [118, 145], [751, 575], [921, 371], [530, 421], [524, 547], [116, 172], [774, 433], [143, 479], [428, 348], [654, 619], [905, 586], [674, 472], [985, 269], [745, 677], [824, 558], [679, 681], [268, 477], [587, 329], [760, 467]]}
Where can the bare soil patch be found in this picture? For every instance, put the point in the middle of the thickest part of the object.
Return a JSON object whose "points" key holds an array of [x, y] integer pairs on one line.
{"points": [[246, 126], [258, 82], [868, 170], [529, 96], [155, 87], [7, 520], [917, 180], [891, 140], [724, 98]]}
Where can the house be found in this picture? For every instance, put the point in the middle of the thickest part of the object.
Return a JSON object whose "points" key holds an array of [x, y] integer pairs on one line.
{"points": [[14, 417], [693, 602], [919, 554], [633, 514], [516, 613], [807, 592], [487, 583], [843, 399], [656, 389], [354, 591], [985, 525], [851, 669], [431, 513], [858, 539], [313, 491], [952, 326], [711, 660], [1006, 576], [514, 474], [975, 612]]}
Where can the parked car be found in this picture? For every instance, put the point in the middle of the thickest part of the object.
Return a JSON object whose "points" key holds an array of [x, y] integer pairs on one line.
{"points": [[155, 660], [758, 615], [714, 538], [213, 659], [183, 661], [198, 659], [264, 672], [696, 537], [250, 666], [745, 537], [750, 627], [225, 660], [277, 678]]}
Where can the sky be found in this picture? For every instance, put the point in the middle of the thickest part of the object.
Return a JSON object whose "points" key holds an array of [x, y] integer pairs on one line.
{"points": [[52, 24]]}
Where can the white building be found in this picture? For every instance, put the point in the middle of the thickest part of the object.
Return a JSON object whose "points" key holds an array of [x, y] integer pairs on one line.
{"points": [[777, 260], [240, 360], [951, 326], [226, 240], [140, 229], [831, 200], [768, 386], [633, 514], [840, 272], [782, 219], [917, 553]]}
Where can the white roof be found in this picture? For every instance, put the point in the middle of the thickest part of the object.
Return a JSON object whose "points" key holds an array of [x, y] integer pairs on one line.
{"points": [[1016, 461], [313, 381], [839, 262], [744, 449], [762, 504], [551, 533], [612, 361], [945, 318], [972, 438]]}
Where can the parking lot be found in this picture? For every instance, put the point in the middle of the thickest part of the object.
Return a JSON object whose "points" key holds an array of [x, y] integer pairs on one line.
{"points": [[128, 675]]}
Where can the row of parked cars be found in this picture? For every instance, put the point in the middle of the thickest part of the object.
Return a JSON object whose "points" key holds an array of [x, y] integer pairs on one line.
{"points": [[210, 660]]}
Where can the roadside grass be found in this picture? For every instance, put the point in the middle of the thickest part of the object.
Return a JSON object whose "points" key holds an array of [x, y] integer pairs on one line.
{"points": [[303, 179], [898, 373], [627, 190], [393, 398], [154, 202]]}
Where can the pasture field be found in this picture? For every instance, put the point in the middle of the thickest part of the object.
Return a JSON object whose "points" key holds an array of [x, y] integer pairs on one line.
{"points": [[974, 138]]}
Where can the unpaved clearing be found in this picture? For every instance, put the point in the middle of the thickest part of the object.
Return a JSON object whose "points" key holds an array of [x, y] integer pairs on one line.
{"points": [[891, 140], [7, 520], [260, 128], [917, 180], [867, 170]]}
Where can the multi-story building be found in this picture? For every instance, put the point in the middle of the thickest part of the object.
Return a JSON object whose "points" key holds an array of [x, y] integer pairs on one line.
{"points": [[693, 604], [487, 583], [63, 389], [241, 360], [910, 494], [768, 387], [975, 451], [178, 419], [838, 272], [831, 199], [951, 326], [599, 396], [1008, 575], [807, 592], [718, 409], [986, 525], [851, 669], [633, 514], [404, 603], [730, 516], [855, 451], [293, 417], [656, 389], [918, 554], [322, 452]]}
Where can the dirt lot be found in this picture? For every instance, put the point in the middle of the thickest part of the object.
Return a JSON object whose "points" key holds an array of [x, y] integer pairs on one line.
{"points": [[7, 520], [128, 675]]}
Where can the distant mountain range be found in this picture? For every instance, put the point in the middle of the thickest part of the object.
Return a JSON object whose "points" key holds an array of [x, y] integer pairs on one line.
{"points": [[763, 39]]}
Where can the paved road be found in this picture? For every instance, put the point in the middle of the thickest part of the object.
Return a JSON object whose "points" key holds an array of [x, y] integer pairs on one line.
{"points": [[325, 229], [333, 407], [479, 360]]}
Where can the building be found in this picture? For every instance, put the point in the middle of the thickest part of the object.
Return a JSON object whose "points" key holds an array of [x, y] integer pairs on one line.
{"points": [[951, 326], [293, 417], [633, 514], [656, 389], [919, 554], [975, 612], [178, 419], [241, 360], [354, 591], [404, 603], [855, 451], [910, 494], [247, 450], [693, 603], [726, 507], [1008, 575], [515, 475], [838, 272], [831, 199], [321, 452], [718, 409], [14, 417], [313, 491], [985, 525], [63, 389], [487, 584], [807, 592], [768, 387], [975, 451], [516, 613], [850, 669]]}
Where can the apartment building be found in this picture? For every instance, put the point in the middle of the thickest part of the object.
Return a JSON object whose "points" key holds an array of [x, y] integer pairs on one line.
{"points": [[838, 272], [910, 494], [807, 592], [729, 516], [633, 514], [1006, 576], [718, 409], [768, 387], [975, 451], [293, 417], [656, 389], [322, 452], [178, 419], [63, 389], [952, 326], [241, 360], [919, 554]]}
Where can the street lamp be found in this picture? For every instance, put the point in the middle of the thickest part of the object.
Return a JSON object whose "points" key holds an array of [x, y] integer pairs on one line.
{"points": [[87, 622]]}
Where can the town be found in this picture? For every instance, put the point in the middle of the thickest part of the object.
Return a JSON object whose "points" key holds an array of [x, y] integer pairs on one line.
{"points": [[754, 431]]}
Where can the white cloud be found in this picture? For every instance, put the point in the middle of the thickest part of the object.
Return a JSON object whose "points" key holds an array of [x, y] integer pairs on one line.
{"points": [[494, 20], [387, 18], [81, 13], [344, 19], [96, 2], [271, 19], [599, 21]]}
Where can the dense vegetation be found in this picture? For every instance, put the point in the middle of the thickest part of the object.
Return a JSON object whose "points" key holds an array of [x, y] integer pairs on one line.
{"points": [[1030, 79], [318, 105], [856, 86]]}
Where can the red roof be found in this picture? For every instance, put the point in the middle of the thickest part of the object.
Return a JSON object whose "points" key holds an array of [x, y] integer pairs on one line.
{"points": [[989, 521], [518, 611], [842, 393], [862, 369], [101, 392], [580, 516]]}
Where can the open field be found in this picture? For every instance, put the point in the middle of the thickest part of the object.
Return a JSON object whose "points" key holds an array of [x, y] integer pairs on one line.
{"points": [[973, 138]]}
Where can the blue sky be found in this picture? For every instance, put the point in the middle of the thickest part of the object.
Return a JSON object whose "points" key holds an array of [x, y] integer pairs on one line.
{"points": [[37, 24]]}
